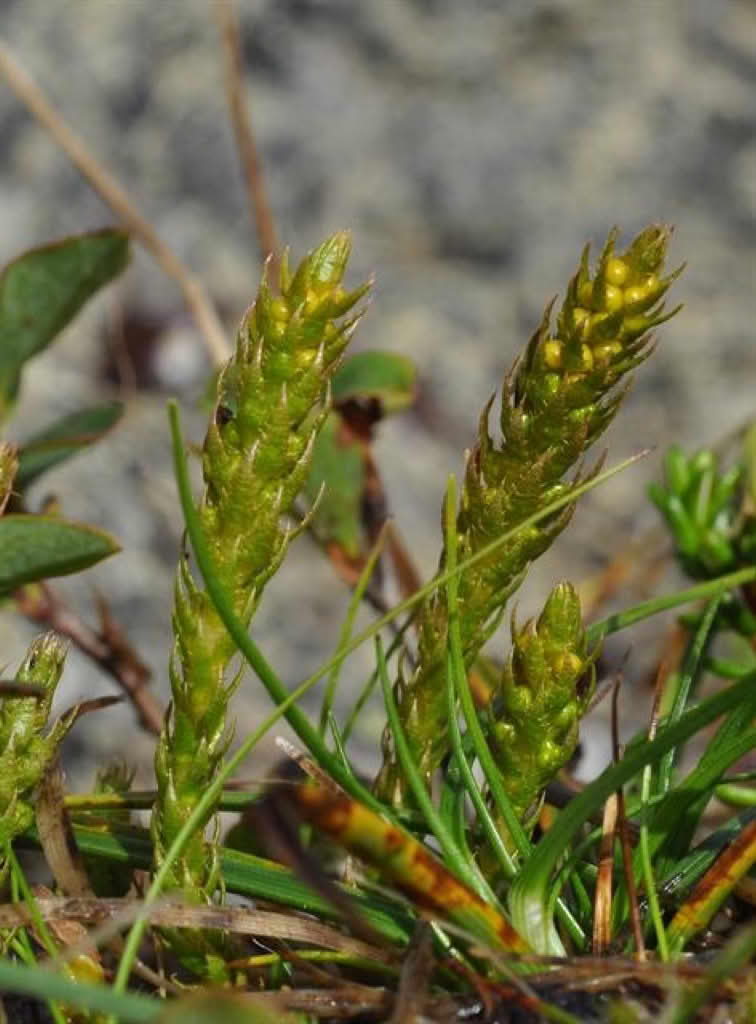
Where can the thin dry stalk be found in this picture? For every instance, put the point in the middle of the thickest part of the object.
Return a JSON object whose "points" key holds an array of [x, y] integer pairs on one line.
{"points": [[30, 94], [109, 648], [602, 912], [638, 564], [414, 980], [263, 924], [257, 196]]}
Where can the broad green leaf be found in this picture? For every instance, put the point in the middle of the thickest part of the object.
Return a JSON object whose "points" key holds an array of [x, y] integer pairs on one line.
{"points": [[43, 289], [65, 438], [389, 377], [35, 547], [337, 462]]}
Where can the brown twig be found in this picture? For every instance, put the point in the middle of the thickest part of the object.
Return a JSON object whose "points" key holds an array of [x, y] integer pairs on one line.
{"points": [[257, 196], [30, 94], [109, 648]]}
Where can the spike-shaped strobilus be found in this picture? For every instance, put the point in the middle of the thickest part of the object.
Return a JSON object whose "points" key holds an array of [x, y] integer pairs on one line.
{"points": [[272, 398], [26, 750], [559, 398]]}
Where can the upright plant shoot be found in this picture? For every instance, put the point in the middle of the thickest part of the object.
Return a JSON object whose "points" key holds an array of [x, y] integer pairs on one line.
{"points": [[272, 398]]}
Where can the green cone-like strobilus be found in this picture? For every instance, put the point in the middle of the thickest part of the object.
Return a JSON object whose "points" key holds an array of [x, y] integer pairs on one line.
{"points": [[272, 398], [26, 751], [559, 398], [544, 690]]}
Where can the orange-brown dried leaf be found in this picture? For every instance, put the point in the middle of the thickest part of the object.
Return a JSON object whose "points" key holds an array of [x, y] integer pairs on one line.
{"points": [[713, 889], [400, 858]]}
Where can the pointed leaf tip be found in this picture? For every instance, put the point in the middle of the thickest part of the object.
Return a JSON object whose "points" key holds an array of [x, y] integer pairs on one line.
{"points": [[36, 547]]}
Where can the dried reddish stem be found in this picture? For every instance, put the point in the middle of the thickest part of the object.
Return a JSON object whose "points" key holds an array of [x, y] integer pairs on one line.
{"points": [[109, 648], [257, 195]]}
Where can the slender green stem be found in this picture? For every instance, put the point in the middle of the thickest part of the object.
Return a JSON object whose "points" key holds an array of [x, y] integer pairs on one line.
{"points": [[675, 703], [437, 826], [648, 871], [486, 552], [37, 920], [367, 690], [348, 627], [140, 800], [500, 851], [21, 886], [338, 743], [285, 707]]}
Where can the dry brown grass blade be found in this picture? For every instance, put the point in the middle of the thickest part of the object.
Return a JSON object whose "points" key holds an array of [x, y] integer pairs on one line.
{"points": [[414, 980], [56, 835], [257, 195], [264, 924], [406, 571], [640, 563], [340, 1003], [602, 911], [111, 190]]}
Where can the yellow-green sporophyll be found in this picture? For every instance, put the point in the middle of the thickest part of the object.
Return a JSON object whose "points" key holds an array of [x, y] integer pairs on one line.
{"points": [[272, 398], [545, 688], [560, 396], [26, 751]]}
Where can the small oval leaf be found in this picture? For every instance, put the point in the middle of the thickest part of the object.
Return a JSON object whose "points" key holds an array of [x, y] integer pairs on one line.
{"points": [[43, 289], [387, 376], [65, 438], [36, 547], [337, 462]]}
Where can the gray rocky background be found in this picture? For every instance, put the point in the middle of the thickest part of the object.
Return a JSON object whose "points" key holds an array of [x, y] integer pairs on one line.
{"points": [[472, 147]]}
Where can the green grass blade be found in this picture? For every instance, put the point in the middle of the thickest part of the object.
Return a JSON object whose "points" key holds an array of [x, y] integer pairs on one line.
{"points": [[364, 695], [529, 892], [647, 870], [347, 629], [41, 983], [702, 591], [500, 851], [442, 578], [453, 857], [675, 703]]}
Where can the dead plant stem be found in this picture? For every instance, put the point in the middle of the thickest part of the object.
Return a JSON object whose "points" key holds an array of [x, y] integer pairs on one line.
{"points": [[30, 94]]}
